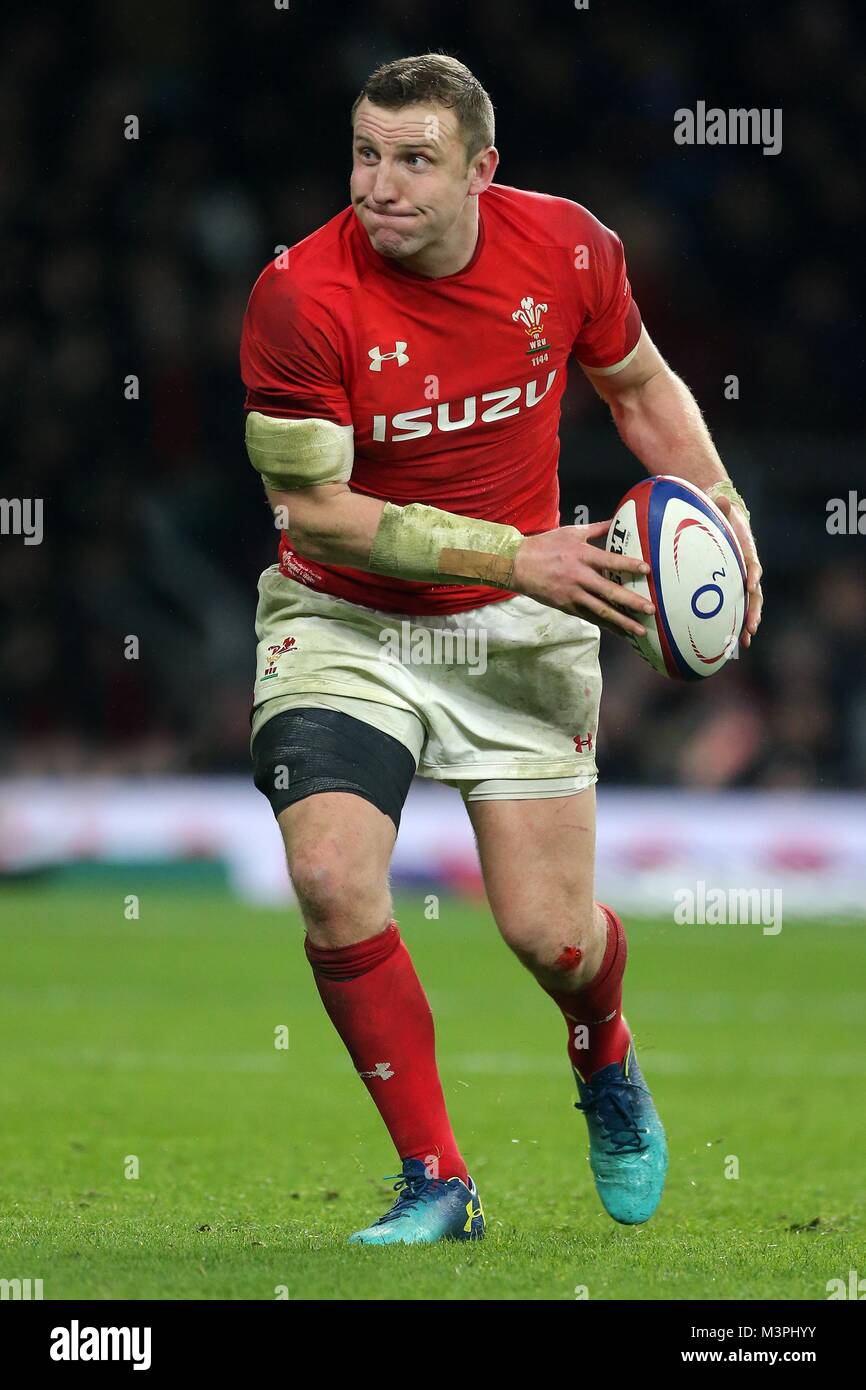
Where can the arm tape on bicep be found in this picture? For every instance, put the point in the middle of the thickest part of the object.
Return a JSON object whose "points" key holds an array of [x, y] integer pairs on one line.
{"points": [[424, 543], [299, 453]]}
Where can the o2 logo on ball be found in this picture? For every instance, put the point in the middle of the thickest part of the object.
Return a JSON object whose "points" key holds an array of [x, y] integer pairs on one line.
{"points": [[707, 601], [697, 579], [708, 588]]}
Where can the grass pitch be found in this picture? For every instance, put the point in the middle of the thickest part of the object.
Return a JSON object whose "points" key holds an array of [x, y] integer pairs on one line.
{"points": [[148, 1046]]}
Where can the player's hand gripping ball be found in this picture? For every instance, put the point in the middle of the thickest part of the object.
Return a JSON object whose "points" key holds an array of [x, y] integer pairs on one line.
{"points": [[697, 578]]}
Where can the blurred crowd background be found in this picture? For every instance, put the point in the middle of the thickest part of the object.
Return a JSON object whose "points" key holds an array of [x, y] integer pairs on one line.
{"points": [[123, 258]]}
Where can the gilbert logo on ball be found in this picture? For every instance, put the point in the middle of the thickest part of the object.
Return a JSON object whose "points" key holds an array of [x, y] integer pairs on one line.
{"points": [[697, 578]]}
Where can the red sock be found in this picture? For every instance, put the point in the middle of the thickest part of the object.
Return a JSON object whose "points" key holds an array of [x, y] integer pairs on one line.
{"points": [[598, 1006], [375, 1001]]}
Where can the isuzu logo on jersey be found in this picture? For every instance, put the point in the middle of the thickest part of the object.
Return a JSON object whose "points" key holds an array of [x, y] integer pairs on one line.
{"points": [[377, 357], [529, 314], [416, 424]]}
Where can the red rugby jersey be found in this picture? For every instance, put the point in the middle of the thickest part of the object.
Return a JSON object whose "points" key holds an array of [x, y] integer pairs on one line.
{"points": [[453, 385]]}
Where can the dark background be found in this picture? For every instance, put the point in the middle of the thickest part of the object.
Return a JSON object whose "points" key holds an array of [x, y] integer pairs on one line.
{"points": [[136, 257]]}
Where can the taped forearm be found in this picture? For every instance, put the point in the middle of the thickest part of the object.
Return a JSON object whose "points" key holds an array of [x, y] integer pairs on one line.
{"points": [[423, 543], [415, 542]]}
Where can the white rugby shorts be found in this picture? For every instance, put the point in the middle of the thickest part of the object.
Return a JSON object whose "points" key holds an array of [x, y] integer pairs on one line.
{"points": [[500, 701]]}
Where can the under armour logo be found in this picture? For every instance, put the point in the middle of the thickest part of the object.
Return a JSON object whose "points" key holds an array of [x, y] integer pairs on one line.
{"points": [[381, 1069], [377, 357]]}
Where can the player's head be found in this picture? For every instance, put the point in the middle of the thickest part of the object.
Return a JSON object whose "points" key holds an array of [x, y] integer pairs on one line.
{"points": [[423, 132]]}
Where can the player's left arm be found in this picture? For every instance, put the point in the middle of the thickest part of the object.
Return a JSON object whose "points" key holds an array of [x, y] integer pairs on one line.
{"points": [[660, 421]]}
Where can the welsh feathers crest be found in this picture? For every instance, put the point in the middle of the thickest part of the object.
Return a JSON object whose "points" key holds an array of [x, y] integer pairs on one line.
{"points": [[529, 314]]}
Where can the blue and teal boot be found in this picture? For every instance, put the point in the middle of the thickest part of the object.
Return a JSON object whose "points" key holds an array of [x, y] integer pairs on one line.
{"points": [[427, 1210], [628, 1152]]}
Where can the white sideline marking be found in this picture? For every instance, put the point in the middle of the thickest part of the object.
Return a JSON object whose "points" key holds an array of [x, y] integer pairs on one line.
{"points": [[160, 1061], [662, 1063], [474, 1063]]}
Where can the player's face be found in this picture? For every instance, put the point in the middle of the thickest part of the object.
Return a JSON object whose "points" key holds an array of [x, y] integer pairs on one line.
{"points": [[410, 183]]}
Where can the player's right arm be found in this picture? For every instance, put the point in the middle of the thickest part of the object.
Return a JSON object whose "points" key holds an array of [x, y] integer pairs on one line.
{"points": [[329, 523], [299, 438], [336, 526]]}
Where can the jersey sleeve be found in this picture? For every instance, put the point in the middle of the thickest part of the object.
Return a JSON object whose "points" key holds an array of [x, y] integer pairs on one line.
{"points": [[608, 336], [290, 363]]}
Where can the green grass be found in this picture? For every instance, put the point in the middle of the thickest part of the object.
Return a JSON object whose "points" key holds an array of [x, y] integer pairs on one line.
{"points": [[154, 1038]]}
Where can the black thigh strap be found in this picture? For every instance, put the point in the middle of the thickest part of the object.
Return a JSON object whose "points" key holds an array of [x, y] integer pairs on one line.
{"points": [[304, 751]]}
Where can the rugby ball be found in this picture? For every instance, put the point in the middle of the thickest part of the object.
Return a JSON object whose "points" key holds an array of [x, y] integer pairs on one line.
{"points": [[697, 578]]}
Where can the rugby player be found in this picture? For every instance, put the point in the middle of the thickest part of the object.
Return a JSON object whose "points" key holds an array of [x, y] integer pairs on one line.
{"points": [[404, 367]]}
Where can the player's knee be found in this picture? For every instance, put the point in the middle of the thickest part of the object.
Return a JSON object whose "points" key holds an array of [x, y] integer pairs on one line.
{"points": [[559, 949], [333, 892], [321, 880]]}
